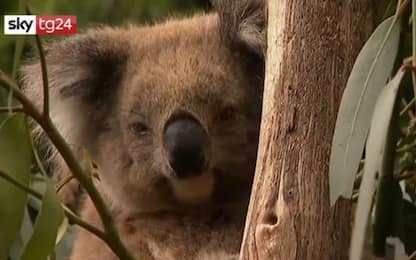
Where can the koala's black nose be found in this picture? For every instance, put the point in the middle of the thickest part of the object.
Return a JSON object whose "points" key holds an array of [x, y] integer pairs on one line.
{"points": [[185, 141]]}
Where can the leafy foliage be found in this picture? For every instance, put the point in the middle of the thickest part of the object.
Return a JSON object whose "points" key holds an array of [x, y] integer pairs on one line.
{"points": [[386, 176], [380, 146], [91, 13], [369, 74], [15, 160], [46, 227]]}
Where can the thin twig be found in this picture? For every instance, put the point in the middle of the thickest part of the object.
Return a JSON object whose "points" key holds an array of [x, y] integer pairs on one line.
{"points": [[44, 77], [63, 148], [408, 106], [10, 101], [63, 182], [35, 151], [68, 213], [13, 109], [412, 256], [73, 218], [409, 112], [406, 175], [406, 148], [20, 185]]}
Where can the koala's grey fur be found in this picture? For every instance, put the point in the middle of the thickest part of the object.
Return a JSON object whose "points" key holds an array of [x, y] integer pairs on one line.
{"points": [[104, 80]]}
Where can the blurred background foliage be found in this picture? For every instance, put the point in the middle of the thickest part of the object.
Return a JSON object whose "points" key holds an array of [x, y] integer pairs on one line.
{"points": [[93, 12]]}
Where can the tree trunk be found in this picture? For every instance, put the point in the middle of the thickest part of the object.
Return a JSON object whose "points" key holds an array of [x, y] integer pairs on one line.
{"points": [[312, 46]]}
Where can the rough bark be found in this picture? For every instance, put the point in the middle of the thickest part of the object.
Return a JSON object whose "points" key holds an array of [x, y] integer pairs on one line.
{"points": [[312, 45]]}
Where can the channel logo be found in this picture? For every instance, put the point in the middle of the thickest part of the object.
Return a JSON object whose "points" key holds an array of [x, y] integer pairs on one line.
{"points": [[40, 24]]}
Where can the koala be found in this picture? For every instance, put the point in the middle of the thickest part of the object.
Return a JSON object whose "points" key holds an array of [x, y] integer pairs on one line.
{"points": [[170, 114]]}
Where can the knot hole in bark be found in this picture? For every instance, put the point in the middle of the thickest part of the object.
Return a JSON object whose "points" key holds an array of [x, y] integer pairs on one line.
{"points": [[270, 219]]}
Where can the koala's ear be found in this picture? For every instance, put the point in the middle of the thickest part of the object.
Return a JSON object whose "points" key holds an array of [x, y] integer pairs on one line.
{"points": [[85, 66], [243, 23], [84, 73]]}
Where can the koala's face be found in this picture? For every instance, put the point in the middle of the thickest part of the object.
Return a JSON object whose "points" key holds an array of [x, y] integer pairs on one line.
{"points": [[186, 121], [170, 112]]}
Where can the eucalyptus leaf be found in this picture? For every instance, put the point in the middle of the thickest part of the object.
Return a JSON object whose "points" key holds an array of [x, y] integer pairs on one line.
{"points": [[20, 42], [368, 77], [63, 227], [378, 150], [15, 159], [48, 222], [26, 231]]}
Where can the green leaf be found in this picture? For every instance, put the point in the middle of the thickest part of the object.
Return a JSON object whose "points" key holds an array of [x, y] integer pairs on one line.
{"points": [[63, 227], [45, 232], [378, 160], [20, 42], [368, 77], [26, 231], [15, 159]]}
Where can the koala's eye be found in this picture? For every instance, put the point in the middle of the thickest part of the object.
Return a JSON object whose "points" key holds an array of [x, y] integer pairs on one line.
{"points": [[139, 129], [228, 113]]}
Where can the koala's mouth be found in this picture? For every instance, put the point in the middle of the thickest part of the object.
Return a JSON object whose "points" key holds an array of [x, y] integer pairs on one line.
{"points": [[212, 186], [195, 189]]}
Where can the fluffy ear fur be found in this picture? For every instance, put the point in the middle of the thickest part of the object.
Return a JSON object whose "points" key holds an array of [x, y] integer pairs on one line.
{"points": [[83, 72], [243, 23]]}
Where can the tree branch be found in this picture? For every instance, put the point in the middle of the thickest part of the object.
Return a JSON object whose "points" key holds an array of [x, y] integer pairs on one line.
{"points": [[44, 77]]}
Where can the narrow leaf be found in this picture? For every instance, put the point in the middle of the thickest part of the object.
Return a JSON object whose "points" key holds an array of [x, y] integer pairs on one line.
{"points": [[18, 50], [369, 75], [63, 228], [45, 232], [377, 152], [15, 159], [26, 231]]}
